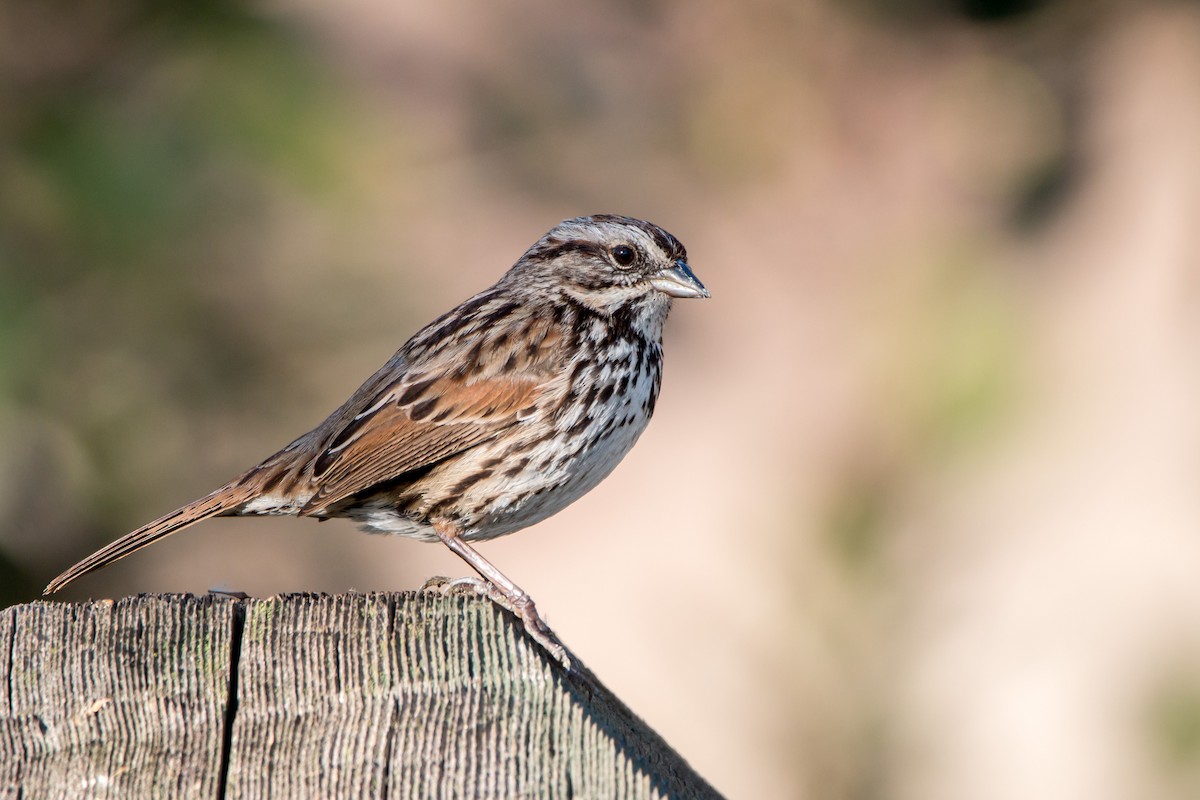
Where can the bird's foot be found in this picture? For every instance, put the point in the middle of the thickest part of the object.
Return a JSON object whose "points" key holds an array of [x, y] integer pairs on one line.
{"points": [[520, 606], [435, 584], [537, 628], [440, 584]]}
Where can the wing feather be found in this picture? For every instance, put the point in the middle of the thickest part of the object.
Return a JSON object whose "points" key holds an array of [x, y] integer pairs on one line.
{"points": [[416, 422]]}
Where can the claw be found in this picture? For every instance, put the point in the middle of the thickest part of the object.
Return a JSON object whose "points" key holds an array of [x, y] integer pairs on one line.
{"points": [[538, 630], [434, 584], [521, 607], [472, 586]]}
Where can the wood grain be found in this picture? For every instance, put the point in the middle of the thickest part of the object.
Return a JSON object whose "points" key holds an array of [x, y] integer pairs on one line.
{"points": [[414, 695]]}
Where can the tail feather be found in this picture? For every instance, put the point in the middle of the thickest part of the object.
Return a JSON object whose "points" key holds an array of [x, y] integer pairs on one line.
{"points": [[224, 500]]}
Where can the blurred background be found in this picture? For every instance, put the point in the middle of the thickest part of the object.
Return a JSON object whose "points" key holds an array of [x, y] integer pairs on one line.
{"points": [[918, 514]]}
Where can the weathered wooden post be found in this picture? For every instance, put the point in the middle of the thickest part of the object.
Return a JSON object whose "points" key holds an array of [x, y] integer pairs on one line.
{"points": [[413, 695]]}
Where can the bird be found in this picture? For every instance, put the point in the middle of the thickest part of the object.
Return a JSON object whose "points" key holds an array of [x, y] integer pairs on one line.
{"points": [[493, 417]]}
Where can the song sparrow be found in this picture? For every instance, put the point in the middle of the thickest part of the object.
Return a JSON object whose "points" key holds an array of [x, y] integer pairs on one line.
{"points": [[492, 417]]}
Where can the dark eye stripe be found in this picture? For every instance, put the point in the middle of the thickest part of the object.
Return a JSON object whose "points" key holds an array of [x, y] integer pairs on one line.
{"points": [[555, 248], [665, 241]]}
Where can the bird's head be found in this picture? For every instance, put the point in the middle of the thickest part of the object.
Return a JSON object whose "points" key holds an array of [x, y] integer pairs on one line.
{"points": [[610, 264]]}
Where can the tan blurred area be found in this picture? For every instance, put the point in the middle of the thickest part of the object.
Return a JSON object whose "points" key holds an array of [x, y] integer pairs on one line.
{"points": [[918, 515]]}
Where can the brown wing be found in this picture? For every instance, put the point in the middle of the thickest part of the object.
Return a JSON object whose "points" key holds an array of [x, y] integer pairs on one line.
{"points": [[416, 423]]}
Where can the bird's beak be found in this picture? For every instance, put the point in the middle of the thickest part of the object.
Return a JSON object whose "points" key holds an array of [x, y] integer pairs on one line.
{"points": [[679, 281]]}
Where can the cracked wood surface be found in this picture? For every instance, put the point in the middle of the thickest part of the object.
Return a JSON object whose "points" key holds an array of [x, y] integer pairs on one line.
{"points": [[411, 695]]}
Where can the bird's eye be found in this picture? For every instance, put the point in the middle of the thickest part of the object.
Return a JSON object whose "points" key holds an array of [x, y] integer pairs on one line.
{"points": [[623, 254]]}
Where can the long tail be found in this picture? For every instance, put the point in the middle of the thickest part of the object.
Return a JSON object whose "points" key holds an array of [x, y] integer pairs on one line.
{"points": [[223, 501]]}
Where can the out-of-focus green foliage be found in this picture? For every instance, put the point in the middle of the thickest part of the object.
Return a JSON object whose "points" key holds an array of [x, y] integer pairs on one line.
{"points": [[1174, 732], [135, 143]]}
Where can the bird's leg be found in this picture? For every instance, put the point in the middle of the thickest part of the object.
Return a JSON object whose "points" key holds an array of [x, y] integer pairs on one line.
{"points": [[503, 591]]}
